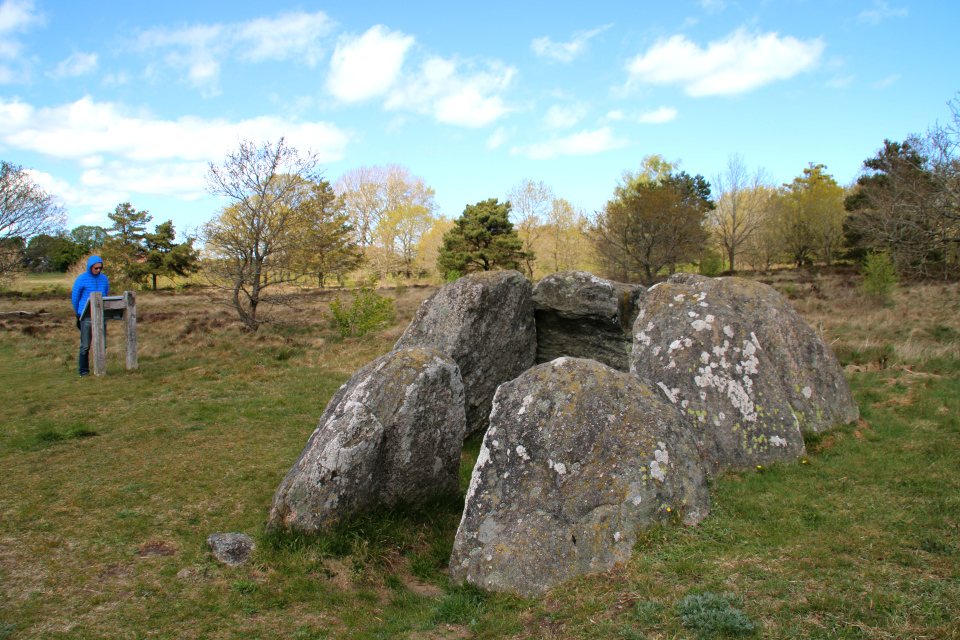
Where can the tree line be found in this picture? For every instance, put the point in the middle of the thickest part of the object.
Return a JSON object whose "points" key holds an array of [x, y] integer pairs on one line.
{"points": [[283, 223]]}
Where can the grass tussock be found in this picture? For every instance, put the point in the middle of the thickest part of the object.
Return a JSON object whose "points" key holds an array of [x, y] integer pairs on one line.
{"points": [[112, 485]]}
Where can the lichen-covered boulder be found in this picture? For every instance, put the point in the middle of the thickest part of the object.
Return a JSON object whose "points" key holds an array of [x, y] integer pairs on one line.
{"points": [[578, 458], [697, 350], [808, 369], [392, 433], [582, 316], [484, 321]]}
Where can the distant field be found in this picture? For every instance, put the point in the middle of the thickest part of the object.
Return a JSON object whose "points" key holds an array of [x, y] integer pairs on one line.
{"points": [[112, 485]]}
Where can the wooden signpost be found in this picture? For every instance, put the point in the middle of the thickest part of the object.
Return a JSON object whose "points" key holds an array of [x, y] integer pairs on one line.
{"points": [[111, 307]]}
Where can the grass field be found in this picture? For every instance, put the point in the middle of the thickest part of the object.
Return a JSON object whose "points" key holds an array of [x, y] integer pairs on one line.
{"points": [[112, 485]]}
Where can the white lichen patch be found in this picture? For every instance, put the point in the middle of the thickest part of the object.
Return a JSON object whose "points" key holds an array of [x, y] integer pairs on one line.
{"points": [[778, 441], [522, 452], [525, 405], [657, 472], [728, 330], [679, 297], [617, 536], [670, 393], [807, 392]]}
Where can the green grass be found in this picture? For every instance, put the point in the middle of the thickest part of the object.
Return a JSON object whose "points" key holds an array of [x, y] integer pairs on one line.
{"points": [[112, 485]]}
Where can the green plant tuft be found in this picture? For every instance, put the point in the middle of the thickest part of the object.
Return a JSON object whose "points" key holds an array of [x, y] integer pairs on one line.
{"points": [[879, 278], [710, 615], [368, 312], [462, 605]]}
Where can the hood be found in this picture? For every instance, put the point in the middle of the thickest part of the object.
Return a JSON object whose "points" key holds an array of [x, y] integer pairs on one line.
{"points": [[92, 261]]}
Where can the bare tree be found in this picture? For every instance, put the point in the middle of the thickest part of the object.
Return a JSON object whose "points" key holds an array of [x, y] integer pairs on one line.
{"points": [[741, 204], [370, 193], [531, 203], [252, 241], [26, 210]]}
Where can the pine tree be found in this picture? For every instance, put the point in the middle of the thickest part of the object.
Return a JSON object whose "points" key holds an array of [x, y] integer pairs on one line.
{"points": [[482, 239]]}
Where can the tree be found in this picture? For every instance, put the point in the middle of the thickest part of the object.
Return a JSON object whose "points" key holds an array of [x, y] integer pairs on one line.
{"points": [[125, 247], [89, 237], [254, 241], [369, 193], [482, 239], [530, 203], [907, 203], [655, 220], [811, 218], [164, 257], [26, 210], [399, 233], [328, 246], [741, 205]]}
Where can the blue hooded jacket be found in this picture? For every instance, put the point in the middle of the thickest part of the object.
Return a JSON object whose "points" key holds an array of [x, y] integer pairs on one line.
{"points": [[87, 283]]}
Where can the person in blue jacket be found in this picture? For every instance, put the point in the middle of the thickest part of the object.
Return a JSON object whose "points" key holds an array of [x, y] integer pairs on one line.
{"points": [[93, 279]]}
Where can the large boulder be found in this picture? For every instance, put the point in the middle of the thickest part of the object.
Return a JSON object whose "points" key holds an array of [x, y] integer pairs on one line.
{"points": [[709, 363], [578, 458], [484, 321], [393, 433], [809, 371], [582, 316]]}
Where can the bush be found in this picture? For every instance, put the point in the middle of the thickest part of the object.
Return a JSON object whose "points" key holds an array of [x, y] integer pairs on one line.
{"points": [[710, 615], [879, 277], [369, 311], [711, 265], [453, 276]]}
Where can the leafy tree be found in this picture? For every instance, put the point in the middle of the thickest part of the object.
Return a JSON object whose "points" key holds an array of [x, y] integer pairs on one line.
{"points": [[89, 237], [894, 209], [26, 210], [371, 193], [256, 240], [482, 239], [741, 206], [400, 232], [530, 204], [655, 220], [165, 257], [125, 248], [812, 217], [328, 247]]}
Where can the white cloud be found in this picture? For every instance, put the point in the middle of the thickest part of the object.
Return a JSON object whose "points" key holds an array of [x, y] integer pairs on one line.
{"points": [[712, 6], [886, 82], [198, 50], [578, 144], [738, 63], [77, 64], [497, 139], [442, 90], [659, 116], [614, 115], [367, 66], [564, 51], [880, 11], [137, 152], [839, 82], [16, 16], [559, 117], [289, 35]]}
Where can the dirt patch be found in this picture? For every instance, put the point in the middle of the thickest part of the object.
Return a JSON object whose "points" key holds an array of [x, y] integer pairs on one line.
{"points": [[117, 571], [158, 548]]}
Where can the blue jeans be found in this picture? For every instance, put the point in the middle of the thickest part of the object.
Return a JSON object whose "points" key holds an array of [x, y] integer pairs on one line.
{"points": [[86, 337]]}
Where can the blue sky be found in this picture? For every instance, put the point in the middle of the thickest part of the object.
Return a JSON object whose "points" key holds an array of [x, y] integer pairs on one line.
{"points": [[110, 102]]}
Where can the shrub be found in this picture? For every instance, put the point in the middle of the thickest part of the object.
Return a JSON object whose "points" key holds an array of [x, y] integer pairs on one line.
{"points": [[369, 311], [711, 265], [453, 276], [710, 615], [879, 277]]}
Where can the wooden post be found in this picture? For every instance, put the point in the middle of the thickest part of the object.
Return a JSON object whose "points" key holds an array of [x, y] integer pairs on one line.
{"points": [[130, 319], [98, 343]]}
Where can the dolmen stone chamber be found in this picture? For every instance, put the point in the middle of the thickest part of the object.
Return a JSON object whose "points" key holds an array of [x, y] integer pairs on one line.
{"points": [[604, 408]]}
